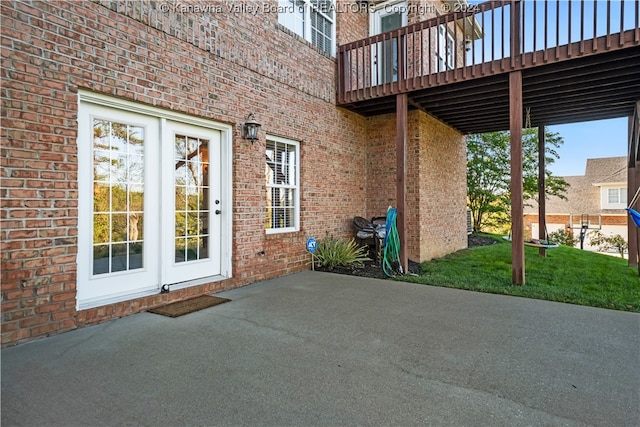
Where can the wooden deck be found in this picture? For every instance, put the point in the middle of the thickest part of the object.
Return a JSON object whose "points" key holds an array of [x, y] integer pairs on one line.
{"points": [[579, 61]]}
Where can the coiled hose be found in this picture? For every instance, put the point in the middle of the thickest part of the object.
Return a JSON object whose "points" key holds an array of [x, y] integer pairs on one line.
{"points": [[391, 244]]}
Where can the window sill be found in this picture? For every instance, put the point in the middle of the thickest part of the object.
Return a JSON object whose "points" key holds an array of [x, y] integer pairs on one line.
{"points": [[272, 235]]}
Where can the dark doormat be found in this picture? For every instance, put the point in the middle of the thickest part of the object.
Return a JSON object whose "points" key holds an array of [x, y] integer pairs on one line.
{"points": [[180, 308]]}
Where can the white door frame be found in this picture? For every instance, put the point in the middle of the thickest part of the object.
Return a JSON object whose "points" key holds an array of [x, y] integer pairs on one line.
{"points": [[380, 11], [88, 295]]}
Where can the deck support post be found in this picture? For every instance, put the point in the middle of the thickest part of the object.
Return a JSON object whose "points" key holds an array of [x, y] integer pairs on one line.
{"points": [[632, 241], [633, 182], [542, 193], [636, 231], [402, 101], [517, 202]]}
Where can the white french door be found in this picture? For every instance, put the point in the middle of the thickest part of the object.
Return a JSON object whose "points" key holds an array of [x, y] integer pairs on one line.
{"points": [[191, 185], [388, 16], [152, 201], [116, 236]]}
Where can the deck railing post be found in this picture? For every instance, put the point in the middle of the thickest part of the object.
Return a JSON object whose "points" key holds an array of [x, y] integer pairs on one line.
{"points": [[515, 32], [402, 60], [340, 76]]}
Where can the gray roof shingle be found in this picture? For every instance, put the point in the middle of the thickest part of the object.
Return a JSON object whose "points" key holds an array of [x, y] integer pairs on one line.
{"points": [[583, 197]]}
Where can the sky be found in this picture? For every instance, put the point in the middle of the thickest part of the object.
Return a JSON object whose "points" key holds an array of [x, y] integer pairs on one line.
{"points": [[588, 140]]}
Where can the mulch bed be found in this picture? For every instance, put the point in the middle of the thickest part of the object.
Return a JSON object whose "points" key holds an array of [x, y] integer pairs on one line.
{"points": [[368, 269], [475, 240], [374, 270]]}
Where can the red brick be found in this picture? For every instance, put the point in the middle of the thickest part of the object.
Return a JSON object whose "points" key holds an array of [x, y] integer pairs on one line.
{"points": [[44, 329], [32, 321], [63, 315], [9, 326], [49, 308]]}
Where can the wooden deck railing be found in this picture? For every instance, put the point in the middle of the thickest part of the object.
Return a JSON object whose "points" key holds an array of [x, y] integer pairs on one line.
{"points": [[480, 40]]}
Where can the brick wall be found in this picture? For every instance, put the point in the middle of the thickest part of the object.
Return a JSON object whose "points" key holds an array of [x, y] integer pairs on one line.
{"points": [[381, 164], [442, 188], [436, 182], [353, 22], [186, 62]]}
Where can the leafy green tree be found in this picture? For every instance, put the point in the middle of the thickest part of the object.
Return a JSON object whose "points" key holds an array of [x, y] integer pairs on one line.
{"points": [[489, 174], [605, 243]]}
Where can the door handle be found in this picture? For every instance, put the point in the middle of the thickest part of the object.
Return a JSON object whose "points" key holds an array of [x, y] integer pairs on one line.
{"points": [[218, 212]]}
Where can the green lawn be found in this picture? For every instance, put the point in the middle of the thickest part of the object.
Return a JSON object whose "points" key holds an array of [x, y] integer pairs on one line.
{"points": [[566, 275]]}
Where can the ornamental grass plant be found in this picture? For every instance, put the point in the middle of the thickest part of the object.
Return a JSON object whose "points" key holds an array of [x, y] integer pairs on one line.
{"points": [[333, 253]]}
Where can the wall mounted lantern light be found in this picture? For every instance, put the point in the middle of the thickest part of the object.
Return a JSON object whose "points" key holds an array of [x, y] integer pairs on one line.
{"points": [[250, 128], [467, 44]]}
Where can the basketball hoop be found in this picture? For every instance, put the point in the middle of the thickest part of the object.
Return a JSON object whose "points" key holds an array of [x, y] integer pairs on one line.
{"points": [[585, 226]]}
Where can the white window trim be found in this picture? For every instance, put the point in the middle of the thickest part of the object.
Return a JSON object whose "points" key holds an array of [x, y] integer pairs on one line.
{"points": [[306, 26], [386, 8], [296, 201], [604, 195], [85, 192]]}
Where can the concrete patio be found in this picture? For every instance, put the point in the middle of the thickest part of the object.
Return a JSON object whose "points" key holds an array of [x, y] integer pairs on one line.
{"points": [[325, 349]]}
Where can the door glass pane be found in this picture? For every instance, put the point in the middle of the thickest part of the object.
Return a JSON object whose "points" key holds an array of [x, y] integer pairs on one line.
{"points": [[390, 47], [119, 257], [135, 255], [191, 189], [118, 195], [101, 259], [390, 22]]}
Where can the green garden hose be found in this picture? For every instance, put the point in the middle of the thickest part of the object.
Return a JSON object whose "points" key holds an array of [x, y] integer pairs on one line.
{"points": [[391, 244]]}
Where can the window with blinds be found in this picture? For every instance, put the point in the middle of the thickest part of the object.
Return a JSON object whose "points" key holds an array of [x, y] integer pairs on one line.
{"points": [[313, 20], [282, 185]]}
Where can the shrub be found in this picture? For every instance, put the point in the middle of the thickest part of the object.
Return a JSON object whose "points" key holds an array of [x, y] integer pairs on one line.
{"points": [[564, 237], [606, 243], [332, 253]]}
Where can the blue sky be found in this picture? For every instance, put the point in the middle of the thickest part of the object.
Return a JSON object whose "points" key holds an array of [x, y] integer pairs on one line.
{"points": [[588, 140]]}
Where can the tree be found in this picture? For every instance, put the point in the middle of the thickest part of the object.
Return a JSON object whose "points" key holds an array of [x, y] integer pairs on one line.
{"points": [[489, 175], [564, 237], [605, 243]]}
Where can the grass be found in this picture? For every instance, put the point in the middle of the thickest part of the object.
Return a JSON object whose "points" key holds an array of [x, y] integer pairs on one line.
{"points": [[566, 275]]}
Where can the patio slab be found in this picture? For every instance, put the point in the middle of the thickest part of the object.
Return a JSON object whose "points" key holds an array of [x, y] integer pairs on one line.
{"points": [[324, 349]]}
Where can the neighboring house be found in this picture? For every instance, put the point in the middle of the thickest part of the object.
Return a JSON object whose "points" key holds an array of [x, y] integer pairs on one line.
{"points": [[125, 173], [601, 193]]}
